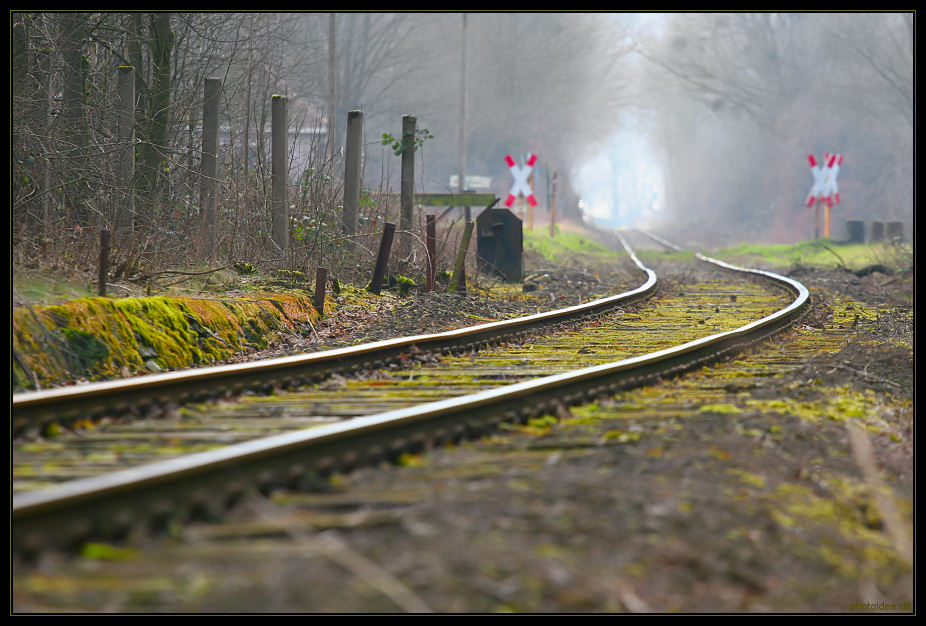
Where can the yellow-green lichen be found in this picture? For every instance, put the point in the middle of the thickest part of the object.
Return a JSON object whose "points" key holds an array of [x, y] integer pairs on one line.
{"points": [[100, 338]]}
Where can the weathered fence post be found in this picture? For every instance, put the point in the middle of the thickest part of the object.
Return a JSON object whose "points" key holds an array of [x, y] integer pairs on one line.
{"points": [[125, 213], [459, 268], [382, 259], [321, 279], [104, 263], [209, 165], [430, 240], [409, 128], [352, 151], [278, 173]]}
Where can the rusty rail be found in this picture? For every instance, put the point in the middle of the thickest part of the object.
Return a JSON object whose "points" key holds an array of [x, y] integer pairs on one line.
{"points": [[114, 504]]}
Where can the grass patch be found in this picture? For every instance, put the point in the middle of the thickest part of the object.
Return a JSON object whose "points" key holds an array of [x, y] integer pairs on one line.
{"points": [[47, 286], [654, 256], [564, 246], [823, 253]]}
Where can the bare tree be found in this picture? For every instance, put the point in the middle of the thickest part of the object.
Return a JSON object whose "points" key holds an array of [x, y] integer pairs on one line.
{"points": [[743, 98]]}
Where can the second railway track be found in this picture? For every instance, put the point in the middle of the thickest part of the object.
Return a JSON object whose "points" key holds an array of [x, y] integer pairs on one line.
{"points": [[397, 409]]}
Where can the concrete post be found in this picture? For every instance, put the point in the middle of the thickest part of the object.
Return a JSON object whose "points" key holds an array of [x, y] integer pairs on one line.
{"points": [[855, 231], [895, 231], [352, 151]]}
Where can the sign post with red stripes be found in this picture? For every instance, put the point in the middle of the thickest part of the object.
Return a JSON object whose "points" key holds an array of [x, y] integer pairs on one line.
{"points": [[824, 190], [521, 185]]}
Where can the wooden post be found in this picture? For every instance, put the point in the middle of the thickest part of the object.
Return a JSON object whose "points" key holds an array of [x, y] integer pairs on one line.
{"points": [[125, 213], [530, 207], [409, 128], [430, 240], [382, 258], [352, 171], [104, 263], [553, 208], [209, 165], [826, 220], [321, 279], [278, 173], [459, 268], [816, 224]]}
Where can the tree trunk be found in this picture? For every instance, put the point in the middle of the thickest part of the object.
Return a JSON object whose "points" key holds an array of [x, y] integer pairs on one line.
{"points": [[73, 118], [154, 149]]}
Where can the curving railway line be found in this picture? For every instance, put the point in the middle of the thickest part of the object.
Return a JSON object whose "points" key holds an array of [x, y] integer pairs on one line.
{"points": [[336, 423]]}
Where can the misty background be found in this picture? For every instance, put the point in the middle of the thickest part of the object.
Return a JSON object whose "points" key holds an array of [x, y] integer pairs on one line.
{"points": [[702, 119], [693, 123]]}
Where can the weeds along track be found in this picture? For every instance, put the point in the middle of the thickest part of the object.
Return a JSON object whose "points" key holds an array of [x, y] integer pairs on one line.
{"points": [[145, 473]]}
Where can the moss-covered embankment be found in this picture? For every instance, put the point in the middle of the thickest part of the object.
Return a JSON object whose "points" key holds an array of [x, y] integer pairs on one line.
{"points": [[101, 338]]}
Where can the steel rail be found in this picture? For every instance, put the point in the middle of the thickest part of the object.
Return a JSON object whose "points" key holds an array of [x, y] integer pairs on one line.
{"points": [[117, 503], [34, 408], [660, 240]]}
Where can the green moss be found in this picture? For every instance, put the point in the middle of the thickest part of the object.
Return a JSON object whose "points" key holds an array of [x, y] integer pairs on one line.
{"points": [[620, 436], [89, 351], [404, 284], [846, 522], [101, 338], [720, 407], [107, 552]]}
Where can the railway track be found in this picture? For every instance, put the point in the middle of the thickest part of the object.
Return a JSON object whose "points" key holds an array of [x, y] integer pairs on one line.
{"points": [[426, 403]]}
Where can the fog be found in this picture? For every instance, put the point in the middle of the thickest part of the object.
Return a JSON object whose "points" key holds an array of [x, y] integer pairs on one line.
{"points": [[701, 123], [694, 123]]}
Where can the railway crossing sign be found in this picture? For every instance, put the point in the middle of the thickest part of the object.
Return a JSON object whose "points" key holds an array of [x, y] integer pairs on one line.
{"points": [[521, 185], [824, 189], [834, 172], [824, 179]]}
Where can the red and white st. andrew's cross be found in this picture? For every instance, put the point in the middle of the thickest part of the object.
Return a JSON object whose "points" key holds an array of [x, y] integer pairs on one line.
{"points": [[520, 174], [824, 179]]}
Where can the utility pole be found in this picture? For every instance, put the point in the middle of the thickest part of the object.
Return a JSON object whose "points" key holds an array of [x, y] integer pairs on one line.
{"points": [[332, 91], [462, 141]]}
